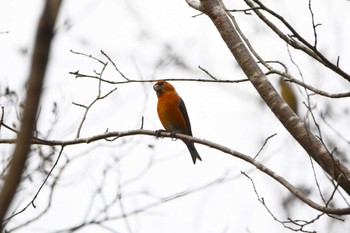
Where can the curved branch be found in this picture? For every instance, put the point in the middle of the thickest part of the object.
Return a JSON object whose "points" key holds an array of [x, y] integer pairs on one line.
{"points": [[251, 160], [318, 91], [289, 78]]}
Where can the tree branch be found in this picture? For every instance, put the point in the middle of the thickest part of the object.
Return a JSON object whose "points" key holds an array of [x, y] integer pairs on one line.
{"points": [[249, 159], [35, 82], [300, 43], [287, 117]]}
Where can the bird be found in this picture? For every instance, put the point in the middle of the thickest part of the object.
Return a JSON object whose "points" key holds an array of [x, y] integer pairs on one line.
{"points": [[288, 95], [173, 115]]}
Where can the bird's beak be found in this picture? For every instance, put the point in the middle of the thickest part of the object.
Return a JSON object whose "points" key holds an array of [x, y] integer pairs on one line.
{"points": [[157, 87]]}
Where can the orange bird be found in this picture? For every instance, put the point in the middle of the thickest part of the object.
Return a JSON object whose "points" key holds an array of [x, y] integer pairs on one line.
{"points": [[173, 114]]}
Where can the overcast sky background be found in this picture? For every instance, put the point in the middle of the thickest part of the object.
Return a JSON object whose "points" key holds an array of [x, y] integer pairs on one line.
{"points": [[143, 38]]}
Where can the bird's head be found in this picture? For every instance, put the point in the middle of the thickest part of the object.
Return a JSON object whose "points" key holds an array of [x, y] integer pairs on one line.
{"points": [[162, 86]]}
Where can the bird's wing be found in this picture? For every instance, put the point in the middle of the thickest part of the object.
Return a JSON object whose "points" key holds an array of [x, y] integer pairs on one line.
{"points": [[183, 110]]}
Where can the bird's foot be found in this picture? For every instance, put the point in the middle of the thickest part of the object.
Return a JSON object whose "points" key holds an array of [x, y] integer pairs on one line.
{"points": [[158, 132], [173, 134]]}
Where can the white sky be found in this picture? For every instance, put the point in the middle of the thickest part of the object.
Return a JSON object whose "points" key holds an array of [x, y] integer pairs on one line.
{"points": [[136, 35]]}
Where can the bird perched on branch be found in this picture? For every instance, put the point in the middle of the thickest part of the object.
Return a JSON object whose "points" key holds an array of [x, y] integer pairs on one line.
{"points": [[288, 95], [173, 114]]}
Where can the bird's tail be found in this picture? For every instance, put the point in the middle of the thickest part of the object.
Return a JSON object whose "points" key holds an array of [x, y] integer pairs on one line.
{"points": [[193, 151]]}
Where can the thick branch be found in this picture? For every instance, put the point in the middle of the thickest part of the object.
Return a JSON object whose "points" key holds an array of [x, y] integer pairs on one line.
{"points": [[291, 122], [36, 77]]}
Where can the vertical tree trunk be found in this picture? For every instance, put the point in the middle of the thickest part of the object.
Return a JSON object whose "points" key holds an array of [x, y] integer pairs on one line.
{"points": [[35, 82]]}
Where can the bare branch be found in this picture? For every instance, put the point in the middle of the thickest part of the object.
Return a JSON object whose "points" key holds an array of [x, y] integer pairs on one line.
{"points": [[251, 160], [294, 225], [287, 117], [245, 11], [79, 75], [301, 44], [314, 26], [36, 77], [32, 202], [318, 91], [207, 72], [265, 142], [89, 56], [98, 98], [115, 66], [246, 41], [127, 80], [2, 116]]}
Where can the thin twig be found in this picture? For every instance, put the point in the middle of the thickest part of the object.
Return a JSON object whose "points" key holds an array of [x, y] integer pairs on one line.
{"points": [[2, 116], [207, 72], [98, 97], [32, 202], [298, 225], [314, 26], [89, 56], [245, 11], [265, 142], [115, 66], [301, 43]]}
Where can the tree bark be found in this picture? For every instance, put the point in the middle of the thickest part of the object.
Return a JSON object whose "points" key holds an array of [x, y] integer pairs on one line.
{"points": [[313, 146], [35, 82]]}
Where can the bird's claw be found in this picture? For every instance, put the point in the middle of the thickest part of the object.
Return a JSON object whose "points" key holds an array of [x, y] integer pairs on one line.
{"points": [[173, 135], [158, 132]]}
